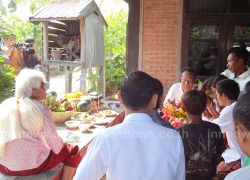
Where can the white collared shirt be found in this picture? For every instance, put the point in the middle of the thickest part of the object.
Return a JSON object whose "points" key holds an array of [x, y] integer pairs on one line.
{"points": [[226, 123], [174, 93], [241, 79], [137, 149], [239, 174]]}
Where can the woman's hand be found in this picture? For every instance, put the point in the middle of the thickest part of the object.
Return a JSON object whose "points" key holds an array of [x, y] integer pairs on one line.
{"points": [[177, 103], [207, 114]]}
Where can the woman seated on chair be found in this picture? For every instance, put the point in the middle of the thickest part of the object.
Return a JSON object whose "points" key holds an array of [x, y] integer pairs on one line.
{"points": [[29, 143]]}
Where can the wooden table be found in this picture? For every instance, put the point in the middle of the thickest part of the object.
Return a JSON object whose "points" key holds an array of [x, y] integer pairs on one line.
{"points": [[75, 136]]}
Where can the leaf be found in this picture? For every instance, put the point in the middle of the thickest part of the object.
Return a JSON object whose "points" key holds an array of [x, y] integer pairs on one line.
{"points": [[1, 59]]}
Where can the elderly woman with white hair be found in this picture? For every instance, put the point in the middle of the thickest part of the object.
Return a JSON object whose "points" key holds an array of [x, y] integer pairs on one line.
{"points": [[29, 143]]}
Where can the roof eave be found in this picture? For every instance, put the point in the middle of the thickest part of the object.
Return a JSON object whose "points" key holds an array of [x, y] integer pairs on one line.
{"points": [[90, 8], [34, 20]]}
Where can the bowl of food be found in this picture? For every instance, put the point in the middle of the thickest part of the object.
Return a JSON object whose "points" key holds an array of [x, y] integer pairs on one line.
{"points": [[72, 124], [84, 127]]}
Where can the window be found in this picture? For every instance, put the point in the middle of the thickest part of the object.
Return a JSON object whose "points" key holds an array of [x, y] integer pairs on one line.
{"points": [[210, 28]]}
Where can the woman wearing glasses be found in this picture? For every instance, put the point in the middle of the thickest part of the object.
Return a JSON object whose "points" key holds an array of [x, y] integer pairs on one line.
{"points": [[29, 143]]}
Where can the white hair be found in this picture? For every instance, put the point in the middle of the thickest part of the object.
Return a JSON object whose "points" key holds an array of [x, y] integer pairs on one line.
{"points": [[26, 80]]}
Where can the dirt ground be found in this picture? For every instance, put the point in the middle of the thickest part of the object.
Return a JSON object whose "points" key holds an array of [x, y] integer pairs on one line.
{"points": [[57, 83]]}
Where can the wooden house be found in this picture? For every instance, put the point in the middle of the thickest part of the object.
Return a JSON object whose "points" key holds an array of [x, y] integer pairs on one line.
{"points": [[72, 37]]}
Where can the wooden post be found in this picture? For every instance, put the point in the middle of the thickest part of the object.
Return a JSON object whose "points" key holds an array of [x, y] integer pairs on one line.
{"points": [[45, 41], [45, 48], [82, 58], [68, 79], [101, 83], [132, 52]]}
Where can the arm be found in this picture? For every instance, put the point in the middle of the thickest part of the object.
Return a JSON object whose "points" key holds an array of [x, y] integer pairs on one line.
{"points": [[169, 99], [94, 164], [211, 109], [181, 165], [224, 121]]}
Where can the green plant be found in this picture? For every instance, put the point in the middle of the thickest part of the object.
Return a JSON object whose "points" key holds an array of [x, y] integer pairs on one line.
{"points": [[23, 29], [115, 72], [115, 49], [195, 32], [93, 78], [7, 79]]}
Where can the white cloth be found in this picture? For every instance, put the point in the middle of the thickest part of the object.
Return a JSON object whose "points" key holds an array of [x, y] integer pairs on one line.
{"points": [[226, 123], [174, 93], [16, 117], [239, 174], [241, 79], [137, 149]]}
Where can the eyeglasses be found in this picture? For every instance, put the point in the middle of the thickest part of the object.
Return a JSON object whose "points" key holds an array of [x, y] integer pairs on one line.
{"points": [[45, 85]]}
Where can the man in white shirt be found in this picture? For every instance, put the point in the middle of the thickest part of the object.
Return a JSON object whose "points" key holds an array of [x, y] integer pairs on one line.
{"points": [[188, 78], [138, 148], [237, 66], [227, 93], [241, 116]]}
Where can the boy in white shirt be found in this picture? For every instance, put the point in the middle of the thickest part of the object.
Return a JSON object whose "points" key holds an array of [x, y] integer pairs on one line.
{"points": [[227, 93], [241, 115]]}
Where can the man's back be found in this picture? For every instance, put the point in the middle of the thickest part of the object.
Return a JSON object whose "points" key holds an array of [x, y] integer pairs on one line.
{"points": [[136, 149]]}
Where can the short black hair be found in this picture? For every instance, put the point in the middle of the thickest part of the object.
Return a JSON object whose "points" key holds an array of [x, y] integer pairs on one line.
{"points": [[241, 111], [239, 52], [189, 70], [29, 40], [247, 87], [194, 102], [229, 88], [137, 90], [207, 83], [217, 79], [159, 90]]}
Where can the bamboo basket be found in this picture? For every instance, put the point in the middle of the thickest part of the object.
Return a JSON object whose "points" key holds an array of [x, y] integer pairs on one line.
{"points": [[60, 117]]}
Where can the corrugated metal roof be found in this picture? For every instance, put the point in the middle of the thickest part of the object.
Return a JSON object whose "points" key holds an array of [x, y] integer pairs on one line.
{"points": [[67, 10]]}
